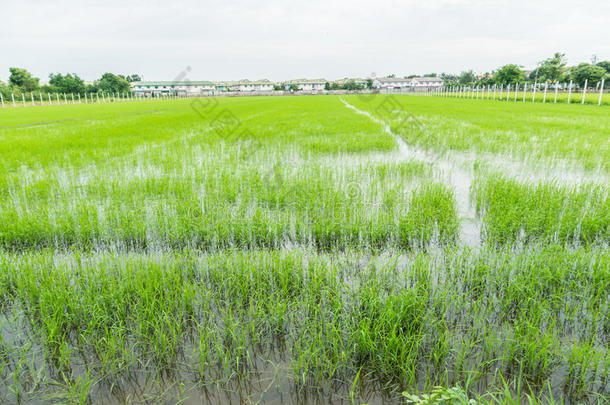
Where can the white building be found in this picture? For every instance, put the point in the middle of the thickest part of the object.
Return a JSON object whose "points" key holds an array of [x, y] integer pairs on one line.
{"points": [[427, 82], [358, 80], [391, 83], [245, 85], [181, 88], [307, 84]]}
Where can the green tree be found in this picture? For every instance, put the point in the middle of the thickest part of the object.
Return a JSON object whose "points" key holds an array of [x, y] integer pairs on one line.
{"points": [[351, 85], [133, 78], [294, 87], [22, 79], [449, 77], [508, 74], [486, 79], [585, 71], [92, 88], [327, 86], [68, 83], [605, 64], [552, 68], [112, 83], [369, 83], [430, 75], [5, 90], [467, 77]]}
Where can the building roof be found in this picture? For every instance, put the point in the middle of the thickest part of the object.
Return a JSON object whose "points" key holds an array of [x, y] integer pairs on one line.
{"points": [[243, 82], [347, 79], [174, 83], [393, 80], [427, 79], [306, 81]]}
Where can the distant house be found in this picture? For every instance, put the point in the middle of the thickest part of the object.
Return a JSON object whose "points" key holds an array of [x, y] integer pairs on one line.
{"points": [[391, 83], [359, 81], [245, 85], [427, 82], [306, 84], [180, 88]]}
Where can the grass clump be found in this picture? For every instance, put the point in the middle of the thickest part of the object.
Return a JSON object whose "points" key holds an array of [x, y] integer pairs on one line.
{"points": [[546, 213]]}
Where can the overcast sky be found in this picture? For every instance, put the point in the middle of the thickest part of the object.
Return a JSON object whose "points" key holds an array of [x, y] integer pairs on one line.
{"points": [[292, 39]]}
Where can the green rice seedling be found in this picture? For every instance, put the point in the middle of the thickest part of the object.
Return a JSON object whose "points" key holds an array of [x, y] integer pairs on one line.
{"points": [[513, 212], [527, 131], [398, 321], [298, 251], [432, 209], [533, 353]]}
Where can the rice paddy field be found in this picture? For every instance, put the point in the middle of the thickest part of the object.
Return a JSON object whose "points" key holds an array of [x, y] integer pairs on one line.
{"points": [[379, 249]]}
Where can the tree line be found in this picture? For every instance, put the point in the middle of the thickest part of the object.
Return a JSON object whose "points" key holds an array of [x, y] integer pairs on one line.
{"points": [[21, 81], [550, 70]]}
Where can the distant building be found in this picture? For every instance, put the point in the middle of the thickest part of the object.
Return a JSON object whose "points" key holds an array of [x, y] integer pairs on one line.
{"points": [[360, 81], [186, 88], [245, 85], [306, 84], [396, 83], [427, 82]]}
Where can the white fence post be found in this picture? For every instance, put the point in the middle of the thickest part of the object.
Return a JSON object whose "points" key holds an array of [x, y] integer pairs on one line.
{"points": [[13, 97], [32, 97], [2, 99], [570, 92], [534, 95], [72, 95], [556, 86], [599, 102], [546, 85], [49, 94], [23, 99], [40, 95], [65, 99], [79, 101], [584, 92]]}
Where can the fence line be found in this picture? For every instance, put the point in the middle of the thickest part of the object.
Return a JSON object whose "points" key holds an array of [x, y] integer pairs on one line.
{"points": [[485, 92], [502, 93]]}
